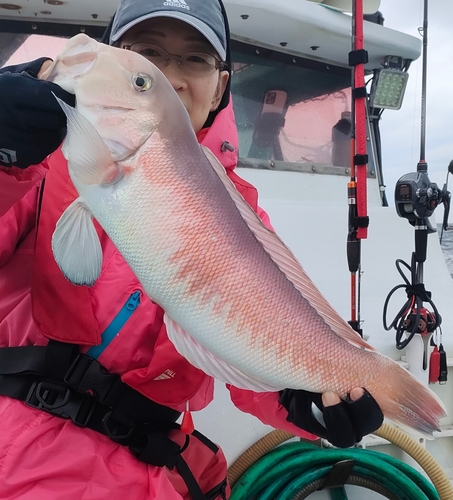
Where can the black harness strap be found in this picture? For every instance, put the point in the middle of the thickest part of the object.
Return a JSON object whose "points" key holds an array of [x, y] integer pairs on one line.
{"points": [[57, 359], [190, 481], [22, 360], [60, 380], [16, 387]]}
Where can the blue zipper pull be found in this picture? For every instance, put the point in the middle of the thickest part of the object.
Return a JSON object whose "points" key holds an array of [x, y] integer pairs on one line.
{"points": [[134, 301], [117, 323]]}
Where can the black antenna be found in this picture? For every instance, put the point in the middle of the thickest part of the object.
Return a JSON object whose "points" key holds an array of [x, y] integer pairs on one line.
{"points": [[422, 165], [421, 223]]}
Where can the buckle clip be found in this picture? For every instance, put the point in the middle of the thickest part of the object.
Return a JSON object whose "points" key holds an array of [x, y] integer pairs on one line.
{"points": [[115, 430], [48, 396], [59, 400], [86, 375]]}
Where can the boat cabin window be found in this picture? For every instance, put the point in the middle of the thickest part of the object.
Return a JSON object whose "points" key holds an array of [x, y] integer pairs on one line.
{"points": [[291, 113]]}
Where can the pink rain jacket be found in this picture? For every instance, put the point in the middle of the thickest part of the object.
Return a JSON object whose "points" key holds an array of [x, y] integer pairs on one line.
{"points": [[47, 457]]}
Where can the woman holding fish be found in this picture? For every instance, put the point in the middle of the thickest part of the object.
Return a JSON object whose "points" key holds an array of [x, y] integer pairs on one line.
{"points": [[63, 346]]}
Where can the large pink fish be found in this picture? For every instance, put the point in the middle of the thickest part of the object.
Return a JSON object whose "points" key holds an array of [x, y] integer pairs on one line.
{"points": [[238, 304]]}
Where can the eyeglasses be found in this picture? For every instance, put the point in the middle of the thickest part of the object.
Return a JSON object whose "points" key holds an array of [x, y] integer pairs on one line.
{"points": [[193, 63]]}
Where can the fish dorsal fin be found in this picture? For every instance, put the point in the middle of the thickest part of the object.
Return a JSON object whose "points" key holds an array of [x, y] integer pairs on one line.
{"points": [[76, 246], [287, 262], [89, 158], [207, 362]]}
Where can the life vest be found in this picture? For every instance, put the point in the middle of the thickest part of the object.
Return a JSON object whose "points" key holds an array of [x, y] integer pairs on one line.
{"points": [[54, 299]]}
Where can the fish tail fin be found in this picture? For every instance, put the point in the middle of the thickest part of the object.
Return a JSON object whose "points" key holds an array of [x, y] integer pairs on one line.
{"points": [[411, 404]]}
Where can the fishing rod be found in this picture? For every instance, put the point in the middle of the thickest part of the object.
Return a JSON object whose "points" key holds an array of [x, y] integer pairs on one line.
{"points": [[416, 198], [357, 193]]}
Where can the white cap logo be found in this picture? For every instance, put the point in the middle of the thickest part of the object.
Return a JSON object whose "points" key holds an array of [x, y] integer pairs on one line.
{"points": [[177, 3]]}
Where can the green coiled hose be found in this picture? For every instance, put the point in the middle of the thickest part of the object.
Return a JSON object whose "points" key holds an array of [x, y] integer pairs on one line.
{"points": [[294, 470]]}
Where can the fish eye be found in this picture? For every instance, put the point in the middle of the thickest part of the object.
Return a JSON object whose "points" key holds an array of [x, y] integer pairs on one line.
{"points": [[142, 82]]}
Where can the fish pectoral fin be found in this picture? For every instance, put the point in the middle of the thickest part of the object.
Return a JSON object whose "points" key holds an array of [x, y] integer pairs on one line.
{"points": [[212, 365], [89, 158], [287, 262], [76, 246]]}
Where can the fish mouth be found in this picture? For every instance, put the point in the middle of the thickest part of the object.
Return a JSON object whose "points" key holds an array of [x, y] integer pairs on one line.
{"points": [[111, 109]]}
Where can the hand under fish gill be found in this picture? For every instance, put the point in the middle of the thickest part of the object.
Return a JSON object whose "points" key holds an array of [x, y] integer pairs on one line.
{"points": [[238, 303]]}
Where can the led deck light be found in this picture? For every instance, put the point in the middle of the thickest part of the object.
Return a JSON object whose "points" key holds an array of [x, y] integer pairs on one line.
{"points": [[388, 89]]}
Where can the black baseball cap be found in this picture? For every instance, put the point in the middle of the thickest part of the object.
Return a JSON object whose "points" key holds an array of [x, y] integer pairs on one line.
{"points": [[204, 15]]}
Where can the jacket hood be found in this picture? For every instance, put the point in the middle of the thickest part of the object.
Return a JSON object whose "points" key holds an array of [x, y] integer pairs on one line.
{"points": [[222, 137]]}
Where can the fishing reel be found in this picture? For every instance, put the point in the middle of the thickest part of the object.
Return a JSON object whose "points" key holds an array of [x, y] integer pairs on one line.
{"points": [[420, 321], [416, 198]]}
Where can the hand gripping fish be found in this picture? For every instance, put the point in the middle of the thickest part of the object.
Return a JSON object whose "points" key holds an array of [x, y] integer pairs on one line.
{"points": [[238, 304]]}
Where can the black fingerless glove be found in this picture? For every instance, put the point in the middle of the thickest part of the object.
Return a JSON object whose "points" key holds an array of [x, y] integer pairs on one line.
{"points": [[344, 423], [32, 123]]}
